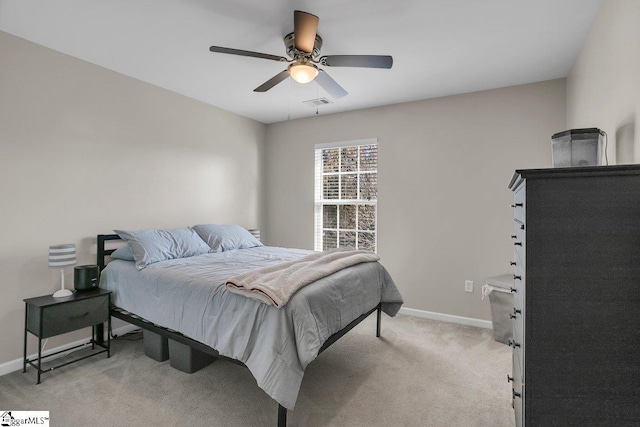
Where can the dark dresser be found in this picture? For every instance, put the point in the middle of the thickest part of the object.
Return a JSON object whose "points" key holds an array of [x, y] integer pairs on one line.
{"points": [[576, 320]]}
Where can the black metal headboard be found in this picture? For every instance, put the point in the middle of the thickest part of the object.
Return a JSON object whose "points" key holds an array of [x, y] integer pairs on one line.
{"points": [[102, 252]]}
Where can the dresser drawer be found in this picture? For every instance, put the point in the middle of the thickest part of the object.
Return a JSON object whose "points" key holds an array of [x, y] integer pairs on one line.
{"points": [[517, 264], [517, 393], [519, 251], [517, 344], [516, 371], [518, 325], [518, 290], [518, 230], [519, 205], [62, 318]]}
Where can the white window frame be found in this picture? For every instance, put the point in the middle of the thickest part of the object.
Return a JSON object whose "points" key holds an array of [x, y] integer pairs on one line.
{"points": [[320, 202]]}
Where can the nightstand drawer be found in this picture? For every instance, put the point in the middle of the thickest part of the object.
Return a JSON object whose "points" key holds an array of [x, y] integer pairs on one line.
{"points": [[61, 318]]}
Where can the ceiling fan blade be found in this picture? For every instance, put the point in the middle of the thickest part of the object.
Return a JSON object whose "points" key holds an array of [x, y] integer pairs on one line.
{"points": [[366, 61], [331, 86], [305, 27], [272, 81], [230, 51]]}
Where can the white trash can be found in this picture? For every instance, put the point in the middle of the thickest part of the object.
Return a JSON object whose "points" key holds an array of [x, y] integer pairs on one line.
{"points": [[498, 288]]}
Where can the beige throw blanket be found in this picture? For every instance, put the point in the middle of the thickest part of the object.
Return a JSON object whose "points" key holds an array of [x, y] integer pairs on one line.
{"points": [[276, 284]]}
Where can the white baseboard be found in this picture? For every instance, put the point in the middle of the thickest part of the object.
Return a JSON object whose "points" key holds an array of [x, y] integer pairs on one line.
{"points": [[469, 321], [16, 365]]}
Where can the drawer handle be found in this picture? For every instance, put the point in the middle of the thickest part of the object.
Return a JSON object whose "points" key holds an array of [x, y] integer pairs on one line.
{"points": [[79, 316], [514, 237], [513, 316], [512, 263], [513, 344], [513, 290], [517, 277], [515, 394], [517, 205], [509, 379], [517, 243], [516, 311]]}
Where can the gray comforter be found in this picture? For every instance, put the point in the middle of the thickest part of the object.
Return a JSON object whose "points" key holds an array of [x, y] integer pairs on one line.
{"points": [[276, 344]]}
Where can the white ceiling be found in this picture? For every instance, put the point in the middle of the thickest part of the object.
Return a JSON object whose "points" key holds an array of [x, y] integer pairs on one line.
{"points": [[440, 47]]}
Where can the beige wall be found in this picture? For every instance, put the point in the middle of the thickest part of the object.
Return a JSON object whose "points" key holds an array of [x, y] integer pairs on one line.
{"points": [[84, 150], [603, 88], [443, 202]]}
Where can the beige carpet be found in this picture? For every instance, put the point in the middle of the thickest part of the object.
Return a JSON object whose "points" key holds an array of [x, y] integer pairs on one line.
{"points": [[420, 373]]}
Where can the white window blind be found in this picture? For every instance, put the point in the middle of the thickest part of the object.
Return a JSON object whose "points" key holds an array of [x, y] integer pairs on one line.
{"points": [[346, 193]]}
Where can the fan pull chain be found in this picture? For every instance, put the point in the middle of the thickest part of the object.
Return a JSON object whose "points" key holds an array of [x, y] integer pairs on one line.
{"points": [[289, 102]]}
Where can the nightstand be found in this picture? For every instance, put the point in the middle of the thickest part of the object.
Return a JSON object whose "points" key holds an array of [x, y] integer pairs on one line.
{"points": [[46, 317]]}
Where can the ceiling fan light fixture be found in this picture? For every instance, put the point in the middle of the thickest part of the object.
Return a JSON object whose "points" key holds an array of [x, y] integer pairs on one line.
{"points": [[303, 48], [303, 72]]}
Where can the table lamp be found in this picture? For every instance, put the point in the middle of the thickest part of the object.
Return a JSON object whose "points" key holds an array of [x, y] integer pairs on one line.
{"points": [[255, 232], [61, 256]]}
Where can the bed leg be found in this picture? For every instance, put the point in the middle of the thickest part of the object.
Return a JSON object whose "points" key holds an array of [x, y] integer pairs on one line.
{"points": [[282, 416], [379, 315]]}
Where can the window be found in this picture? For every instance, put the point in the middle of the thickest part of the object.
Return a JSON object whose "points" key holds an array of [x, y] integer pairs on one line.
{"points": [[346, 193]]}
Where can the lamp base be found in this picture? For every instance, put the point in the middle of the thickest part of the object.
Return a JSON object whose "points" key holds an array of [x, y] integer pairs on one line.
{"points": [[62, 293]]}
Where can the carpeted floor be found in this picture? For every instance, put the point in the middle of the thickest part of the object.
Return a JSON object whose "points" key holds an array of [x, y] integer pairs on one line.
{"points": [[420, 373]]}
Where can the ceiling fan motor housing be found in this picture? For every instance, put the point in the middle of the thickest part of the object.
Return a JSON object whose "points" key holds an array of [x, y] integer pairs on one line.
{"points": [[290, 46]]}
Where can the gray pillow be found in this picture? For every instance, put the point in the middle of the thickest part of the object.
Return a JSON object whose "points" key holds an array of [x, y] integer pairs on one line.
{"points": [[226, 237], [123, 252], [150, 246]]}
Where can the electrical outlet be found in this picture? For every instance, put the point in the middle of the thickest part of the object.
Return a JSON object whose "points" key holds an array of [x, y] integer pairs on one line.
{"points": [[468, 285]]}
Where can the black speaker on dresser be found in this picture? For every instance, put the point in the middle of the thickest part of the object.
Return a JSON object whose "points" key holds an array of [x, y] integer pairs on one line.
{"points": [[85, 277]]}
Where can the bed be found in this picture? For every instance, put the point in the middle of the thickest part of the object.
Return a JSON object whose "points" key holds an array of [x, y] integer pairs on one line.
{"points": [[186, 299]]}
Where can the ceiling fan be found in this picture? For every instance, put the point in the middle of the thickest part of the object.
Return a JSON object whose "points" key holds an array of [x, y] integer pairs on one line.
{"points": [[303, 47]]}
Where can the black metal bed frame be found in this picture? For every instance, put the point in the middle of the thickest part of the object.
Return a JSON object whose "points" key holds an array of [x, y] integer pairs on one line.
{"points": [[103, 253]]}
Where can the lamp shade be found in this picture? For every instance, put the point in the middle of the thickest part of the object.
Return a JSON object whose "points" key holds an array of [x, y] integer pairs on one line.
{"points": [[62, 255], [255, 232], [303, 72]]}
